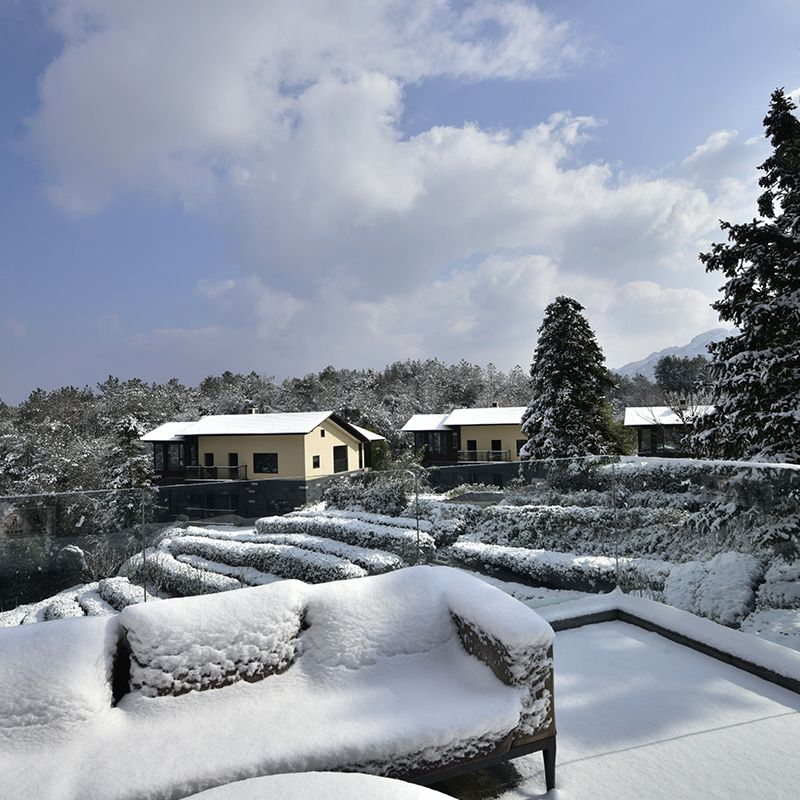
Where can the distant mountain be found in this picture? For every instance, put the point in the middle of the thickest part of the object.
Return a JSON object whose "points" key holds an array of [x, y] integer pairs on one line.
{"points": [[697, 347]]}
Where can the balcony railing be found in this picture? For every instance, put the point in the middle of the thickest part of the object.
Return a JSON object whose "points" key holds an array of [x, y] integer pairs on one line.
{"points": [[198, 473], [484, 455]]}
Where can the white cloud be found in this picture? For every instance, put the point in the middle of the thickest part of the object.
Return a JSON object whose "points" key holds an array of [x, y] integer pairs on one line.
{"points": [[282, 122]]}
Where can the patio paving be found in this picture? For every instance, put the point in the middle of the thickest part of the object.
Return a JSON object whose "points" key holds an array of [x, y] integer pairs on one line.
{"points": [[641, 717]]}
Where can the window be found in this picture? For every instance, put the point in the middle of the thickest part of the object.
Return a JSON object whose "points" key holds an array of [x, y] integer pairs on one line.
{"points": [[433, 441], [159, 457], [520, 444], [497, 447], [175, 456], [315, 462], [208, 459], [322, 431], [265, 462], [340, 458]]}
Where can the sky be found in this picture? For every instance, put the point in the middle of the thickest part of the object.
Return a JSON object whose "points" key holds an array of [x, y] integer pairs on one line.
{"points": [[192, 186]]}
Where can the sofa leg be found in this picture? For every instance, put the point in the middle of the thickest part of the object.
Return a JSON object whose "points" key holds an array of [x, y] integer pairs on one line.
{"points": [[549, 754]]}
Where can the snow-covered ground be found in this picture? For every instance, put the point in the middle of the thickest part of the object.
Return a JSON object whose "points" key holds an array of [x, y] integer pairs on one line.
{"points": [[643, 718]]}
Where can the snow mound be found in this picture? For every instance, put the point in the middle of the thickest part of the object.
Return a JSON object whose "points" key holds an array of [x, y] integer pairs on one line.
{"points": [[58, 673]]}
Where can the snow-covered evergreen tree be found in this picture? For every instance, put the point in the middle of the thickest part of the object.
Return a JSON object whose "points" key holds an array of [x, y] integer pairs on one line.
{"points": [[566, 416], [756, 374]]}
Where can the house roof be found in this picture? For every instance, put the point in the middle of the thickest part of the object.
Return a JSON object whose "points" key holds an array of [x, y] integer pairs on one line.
{"points": [[252, 424], [168, 432], [369, 435], [661, 415], [511, 415], [426, 422]]}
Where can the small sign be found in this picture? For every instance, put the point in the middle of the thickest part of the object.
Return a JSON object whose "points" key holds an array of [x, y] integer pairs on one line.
{"points": [[18, 523], [737, 490]]}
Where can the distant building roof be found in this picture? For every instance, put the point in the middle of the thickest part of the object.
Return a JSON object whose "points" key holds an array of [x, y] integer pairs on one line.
{"points": [[370, 435], [168, 432], [661, 415], [426, 422], [511, 415], [253, 424], [465, 416]]}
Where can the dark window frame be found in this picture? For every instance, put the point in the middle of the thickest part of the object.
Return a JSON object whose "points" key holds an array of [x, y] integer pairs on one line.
{"points": [[265, 463]]}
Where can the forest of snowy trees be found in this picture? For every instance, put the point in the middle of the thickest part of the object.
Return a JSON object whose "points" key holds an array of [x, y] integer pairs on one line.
{"points": [[74, 439]]}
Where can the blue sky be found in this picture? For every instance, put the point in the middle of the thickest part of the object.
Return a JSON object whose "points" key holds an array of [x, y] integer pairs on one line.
{"points": [[190, 186]]}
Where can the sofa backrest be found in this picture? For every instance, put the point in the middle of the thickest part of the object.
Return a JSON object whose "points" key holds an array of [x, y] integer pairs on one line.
{"points": [[197, 643], [355, 623]]}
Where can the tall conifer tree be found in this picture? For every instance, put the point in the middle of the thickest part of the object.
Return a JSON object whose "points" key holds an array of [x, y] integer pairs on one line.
{"points": [[567, 415], [756, 374]]}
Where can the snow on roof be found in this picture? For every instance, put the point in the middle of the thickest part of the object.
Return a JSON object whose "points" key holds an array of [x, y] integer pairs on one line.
{"points": [[511, 415], [426, 422], [168, 432], [369, 435], [258, 424], [661, 415]]}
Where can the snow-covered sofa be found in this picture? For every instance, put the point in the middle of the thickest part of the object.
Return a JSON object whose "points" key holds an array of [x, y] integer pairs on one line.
{"points": [[421, 673]]}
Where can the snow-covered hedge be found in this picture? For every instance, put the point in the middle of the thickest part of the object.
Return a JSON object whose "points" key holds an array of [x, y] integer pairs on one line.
{"points": [[561, 570], [165, 571], [377, 495], [722, 589], [279, 559], [406, 522], [373, 561], [63, 608], [781, 587], [405, 543], [577, 528], [119, 592]]}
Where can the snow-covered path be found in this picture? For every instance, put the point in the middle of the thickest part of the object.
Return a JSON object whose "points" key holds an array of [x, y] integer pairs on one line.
{"points": [[643, 718]]}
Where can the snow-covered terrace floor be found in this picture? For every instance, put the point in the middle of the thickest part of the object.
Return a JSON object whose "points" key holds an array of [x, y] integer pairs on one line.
{"points": [[642, 717]]}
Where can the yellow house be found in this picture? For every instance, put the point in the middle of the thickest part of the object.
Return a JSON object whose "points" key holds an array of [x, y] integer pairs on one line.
{"points": [[259, 447], [469, 434]]}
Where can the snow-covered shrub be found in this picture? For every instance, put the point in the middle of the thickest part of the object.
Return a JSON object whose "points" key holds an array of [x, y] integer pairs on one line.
{"points": [[405, 521], [385, 497], [781, 587], [120, 592], [279, 559], [559, 570], [374, 562], [343, 494], [578, 474], [377, 494], [405, 543], [727, 592], [589, 529], [680, 588], [63, 608], [92, 604], [779, 625], [447, 521], [664, 476], [722, 589], [163, 570]]}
